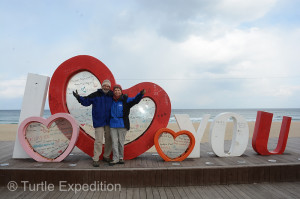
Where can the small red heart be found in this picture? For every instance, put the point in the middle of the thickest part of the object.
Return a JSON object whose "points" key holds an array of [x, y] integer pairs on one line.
{"points": [[74, 65], [181, 156], [48, 140]]}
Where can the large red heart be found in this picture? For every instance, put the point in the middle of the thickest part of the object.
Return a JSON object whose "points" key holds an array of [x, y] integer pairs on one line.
{"points": [[74, 65]]}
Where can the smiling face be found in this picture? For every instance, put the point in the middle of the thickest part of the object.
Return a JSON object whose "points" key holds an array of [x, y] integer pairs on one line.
{"points": [[117, 92], [105, 88]]}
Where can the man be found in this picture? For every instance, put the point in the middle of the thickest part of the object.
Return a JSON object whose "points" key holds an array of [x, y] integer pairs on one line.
{"points": [[101, 102]]}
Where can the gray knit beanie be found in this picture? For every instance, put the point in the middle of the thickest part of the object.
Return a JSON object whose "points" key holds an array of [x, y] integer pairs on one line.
{"points": [[106, 82]]}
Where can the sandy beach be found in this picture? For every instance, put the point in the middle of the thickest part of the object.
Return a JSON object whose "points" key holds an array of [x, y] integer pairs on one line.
{"points": [[8, 131]]}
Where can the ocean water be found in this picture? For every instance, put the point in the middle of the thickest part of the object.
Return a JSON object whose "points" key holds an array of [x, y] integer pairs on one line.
{"points": [[249, 114], [12, 116]]}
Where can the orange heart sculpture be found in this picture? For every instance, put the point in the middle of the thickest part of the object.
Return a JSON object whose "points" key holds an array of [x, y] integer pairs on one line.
{"points": [[172, 146]]}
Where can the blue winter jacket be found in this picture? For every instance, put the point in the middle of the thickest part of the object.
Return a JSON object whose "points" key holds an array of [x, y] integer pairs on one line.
{"points": [[101, 106], [120, 111]]}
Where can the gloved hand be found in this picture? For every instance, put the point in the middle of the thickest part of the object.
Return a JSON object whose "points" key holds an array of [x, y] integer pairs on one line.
{"points": [[76, 95], [143, 92]]}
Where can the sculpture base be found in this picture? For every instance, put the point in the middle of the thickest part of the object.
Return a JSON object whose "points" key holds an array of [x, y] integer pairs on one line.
{"points": [[149, 169]]}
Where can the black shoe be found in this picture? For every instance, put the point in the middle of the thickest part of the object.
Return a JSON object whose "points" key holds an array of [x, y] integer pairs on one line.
{"points": [[96, 163], [112, 163], [121, 161], [106, 159]]}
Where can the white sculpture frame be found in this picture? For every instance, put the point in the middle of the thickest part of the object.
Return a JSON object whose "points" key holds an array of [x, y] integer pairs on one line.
{"points": [[184, 123], [240, 135], [33, 104]]}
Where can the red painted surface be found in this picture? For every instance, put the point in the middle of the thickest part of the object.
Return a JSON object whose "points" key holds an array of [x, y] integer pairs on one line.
{"points": [[185, 154], [58, 104], [160, 119], [262, 132]]}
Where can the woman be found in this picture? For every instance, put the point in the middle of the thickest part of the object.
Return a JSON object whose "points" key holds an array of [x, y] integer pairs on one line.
{"points": [[119, 121]]}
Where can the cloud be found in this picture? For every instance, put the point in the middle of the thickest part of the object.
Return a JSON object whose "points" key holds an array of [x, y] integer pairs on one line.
{"points": [[214, 53], [14, 88], [231, 65], [177, 20], [240, 12]]}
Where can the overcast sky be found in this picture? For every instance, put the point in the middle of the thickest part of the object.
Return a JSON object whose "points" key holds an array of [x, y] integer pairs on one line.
{"points": [[203, 53]]}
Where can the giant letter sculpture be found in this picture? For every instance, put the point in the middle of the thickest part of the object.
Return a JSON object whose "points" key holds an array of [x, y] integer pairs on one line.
{"points": [[184, 123], [240, 135], [262, 132]]}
